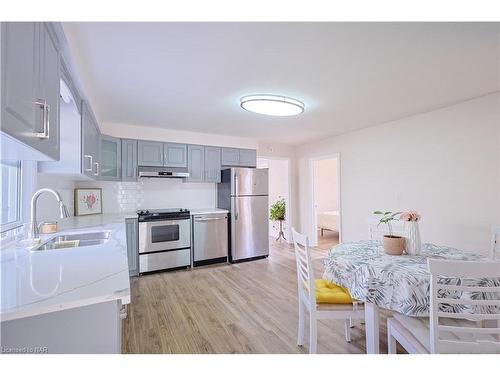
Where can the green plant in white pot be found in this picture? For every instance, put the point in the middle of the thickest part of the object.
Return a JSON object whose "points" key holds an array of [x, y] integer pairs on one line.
{"points": [[277, 214], [393, 245]]}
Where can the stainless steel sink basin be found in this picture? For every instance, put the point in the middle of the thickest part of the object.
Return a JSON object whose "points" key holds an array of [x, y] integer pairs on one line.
{"points": [[75, 240]]}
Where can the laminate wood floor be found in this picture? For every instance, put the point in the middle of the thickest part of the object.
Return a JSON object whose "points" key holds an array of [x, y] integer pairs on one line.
{"points": [[328, 239], [240, 308]]}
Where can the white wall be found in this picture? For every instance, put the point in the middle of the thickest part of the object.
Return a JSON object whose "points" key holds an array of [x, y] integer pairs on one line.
{"points": [[283, 151], [444, 164], [278, 188], [326, 185]]}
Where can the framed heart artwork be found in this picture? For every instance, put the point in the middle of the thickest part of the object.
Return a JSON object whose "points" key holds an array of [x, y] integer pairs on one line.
{"points": [[88, 201]]}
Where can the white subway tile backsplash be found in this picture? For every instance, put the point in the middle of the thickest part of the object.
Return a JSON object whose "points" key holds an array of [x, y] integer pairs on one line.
{"points": [[153, 193]]}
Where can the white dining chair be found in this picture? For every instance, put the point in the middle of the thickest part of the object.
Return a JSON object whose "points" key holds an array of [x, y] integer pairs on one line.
{"points": [[307, 298], [495, 242], [446, 331]]}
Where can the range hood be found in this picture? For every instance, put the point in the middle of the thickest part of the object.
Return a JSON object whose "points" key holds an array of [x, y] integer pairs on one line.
{"points": [[163, 172]]}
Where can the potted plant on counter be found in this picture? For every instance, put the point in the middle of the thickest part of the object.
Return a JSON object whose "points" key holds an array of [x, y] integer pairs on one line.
{"points": [[277, 213], [393, 245]]}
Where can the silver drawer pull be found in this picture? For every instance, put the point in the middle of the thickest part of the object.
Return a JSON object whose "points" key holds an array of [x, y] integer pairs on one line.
{"points": [[45, 119]]}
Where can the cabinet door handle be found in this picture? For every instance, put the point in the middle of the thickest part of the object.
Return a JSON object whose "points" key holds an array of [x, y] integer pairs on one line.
{"points": [[91, 162], [45, 119], [96, 173]]}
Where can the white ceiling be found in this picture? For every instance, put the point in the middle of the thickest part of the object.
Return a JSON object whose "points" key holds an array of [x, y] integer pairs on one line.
{"points": [[190, 76]]}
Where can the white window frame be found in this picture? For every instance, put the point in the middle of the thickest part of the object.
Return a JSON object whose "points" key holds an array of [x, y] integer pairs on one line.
{"points": [[25, 189], [14, 224]]}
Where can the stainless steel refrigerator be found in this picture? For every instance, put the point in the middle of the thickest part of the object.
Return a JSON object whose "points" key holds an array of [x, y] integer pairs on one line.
{"points": [[244, 192]]}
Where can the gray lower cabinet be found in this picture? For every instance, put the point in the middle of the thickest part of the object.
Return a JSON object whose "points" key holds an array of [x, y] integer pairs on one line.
{"points": [[150, 154], [238, 157], [30, 71], [176, 155], [129, 160], [212, 164], [90, 143], [110, 158], [90, 329], [132, 246], [196, 163]]}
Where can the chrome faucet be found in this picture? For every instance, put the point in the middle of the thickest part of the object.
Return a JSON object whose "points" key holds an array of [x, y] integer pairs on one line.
{"points": [[63, 211]]}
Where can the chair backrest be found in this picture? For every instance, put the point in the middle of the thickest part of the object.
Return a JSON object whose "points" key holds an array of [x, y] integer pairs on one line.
{"points": [[376, 231], [305, 273], [471, 301], [495, 242]]}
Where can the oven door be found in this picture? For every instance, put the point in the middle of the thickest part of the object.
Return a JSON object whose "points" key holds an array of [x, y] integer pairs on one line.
{"points": [[164, 235]]}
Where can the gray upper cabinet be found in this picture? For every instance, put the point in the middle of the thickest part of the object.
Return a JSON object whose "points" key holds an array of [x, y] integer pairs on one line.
{"points": [[196, 163], [90, 143], [30, 86], [236, 157], [175, 155], [50, 89], [248, 158], [230, 156], [132, 246], [129, 160], [150, 154], [212, 164], [110, 158]]}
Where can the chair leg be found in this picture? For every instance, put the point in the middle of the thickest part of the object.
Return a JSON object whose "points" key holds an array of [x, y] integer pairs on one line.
{"points": [[300, 335], [313, 335], [348, 330], [391, 341], [351, 323]]}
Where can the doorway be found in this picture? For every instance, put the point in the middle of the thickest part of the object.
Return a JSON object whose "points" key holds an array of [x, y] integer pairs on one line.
{"points": [[326, 211], [279, 188]]}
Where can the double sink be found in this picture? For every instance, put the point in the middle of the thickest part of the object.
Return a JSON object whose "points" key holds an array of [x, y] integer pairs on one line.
{"points": [[75, 240]]}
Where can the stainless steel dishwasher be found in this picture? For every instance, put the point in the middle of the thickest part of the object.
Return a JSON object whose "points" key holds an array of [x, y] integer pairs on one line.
{"points": [[210, 239]]}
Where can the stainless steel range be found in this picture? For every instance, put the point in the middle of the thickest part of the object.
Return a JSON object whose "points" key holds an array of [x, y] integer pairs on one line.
{"points": [[164, 239]]}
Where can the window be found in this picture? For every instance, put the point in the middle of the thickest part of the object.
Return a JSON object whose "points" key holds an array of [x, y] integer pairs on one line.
{"points": [[11, 195]]}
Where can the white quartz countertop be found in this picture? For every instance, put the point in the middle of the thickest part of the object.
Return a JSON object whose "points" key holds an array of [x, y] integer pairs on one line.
{"points": [[205, 211], [39, 282]]}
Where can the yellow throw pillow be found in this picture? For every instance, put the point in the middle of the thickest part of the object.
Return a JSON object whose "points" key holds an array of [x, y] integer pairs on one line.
{"points": [[327, 292]]}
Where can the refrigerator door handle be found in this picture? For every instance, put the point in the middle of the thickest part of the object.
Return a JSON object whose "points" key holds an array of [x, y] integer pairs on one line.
{"points": [[236, 203]]}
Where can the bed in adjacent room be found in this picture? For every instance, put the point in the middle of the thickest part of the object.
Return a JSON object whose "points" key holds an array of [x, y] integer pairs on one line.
{"points": [[328, 220]]}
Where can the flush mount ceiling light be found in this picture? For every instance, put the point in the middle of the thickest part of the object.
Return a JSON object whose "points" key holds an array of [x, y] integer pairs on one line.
{"points": [[272, 105]]}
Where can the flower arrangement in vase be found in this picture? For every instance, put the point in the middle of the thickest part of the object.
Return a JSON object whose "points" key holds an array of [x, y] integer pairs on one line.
{"points": [[413, 243], [393, 245]]}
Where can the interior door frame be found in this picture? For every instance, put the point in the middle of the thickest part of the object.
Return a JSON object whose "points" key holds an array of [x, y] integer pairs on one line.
{"points": [[289, 209], [313, 237]]}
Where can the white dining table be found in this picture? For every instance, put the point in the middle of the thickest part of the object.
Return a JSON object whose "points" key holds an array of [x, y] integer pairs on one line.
{"points": [[397, 283]]}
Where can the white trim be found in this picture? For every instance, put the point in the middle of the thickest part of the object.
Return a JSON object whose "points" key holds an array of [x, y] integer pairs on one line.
{"points": [[314, 226], [19, 214]]}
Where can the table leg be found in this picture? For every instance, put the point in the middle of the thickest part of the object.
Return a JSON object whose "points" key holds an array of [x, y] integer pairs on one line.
{"points": [[372, 328]]}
